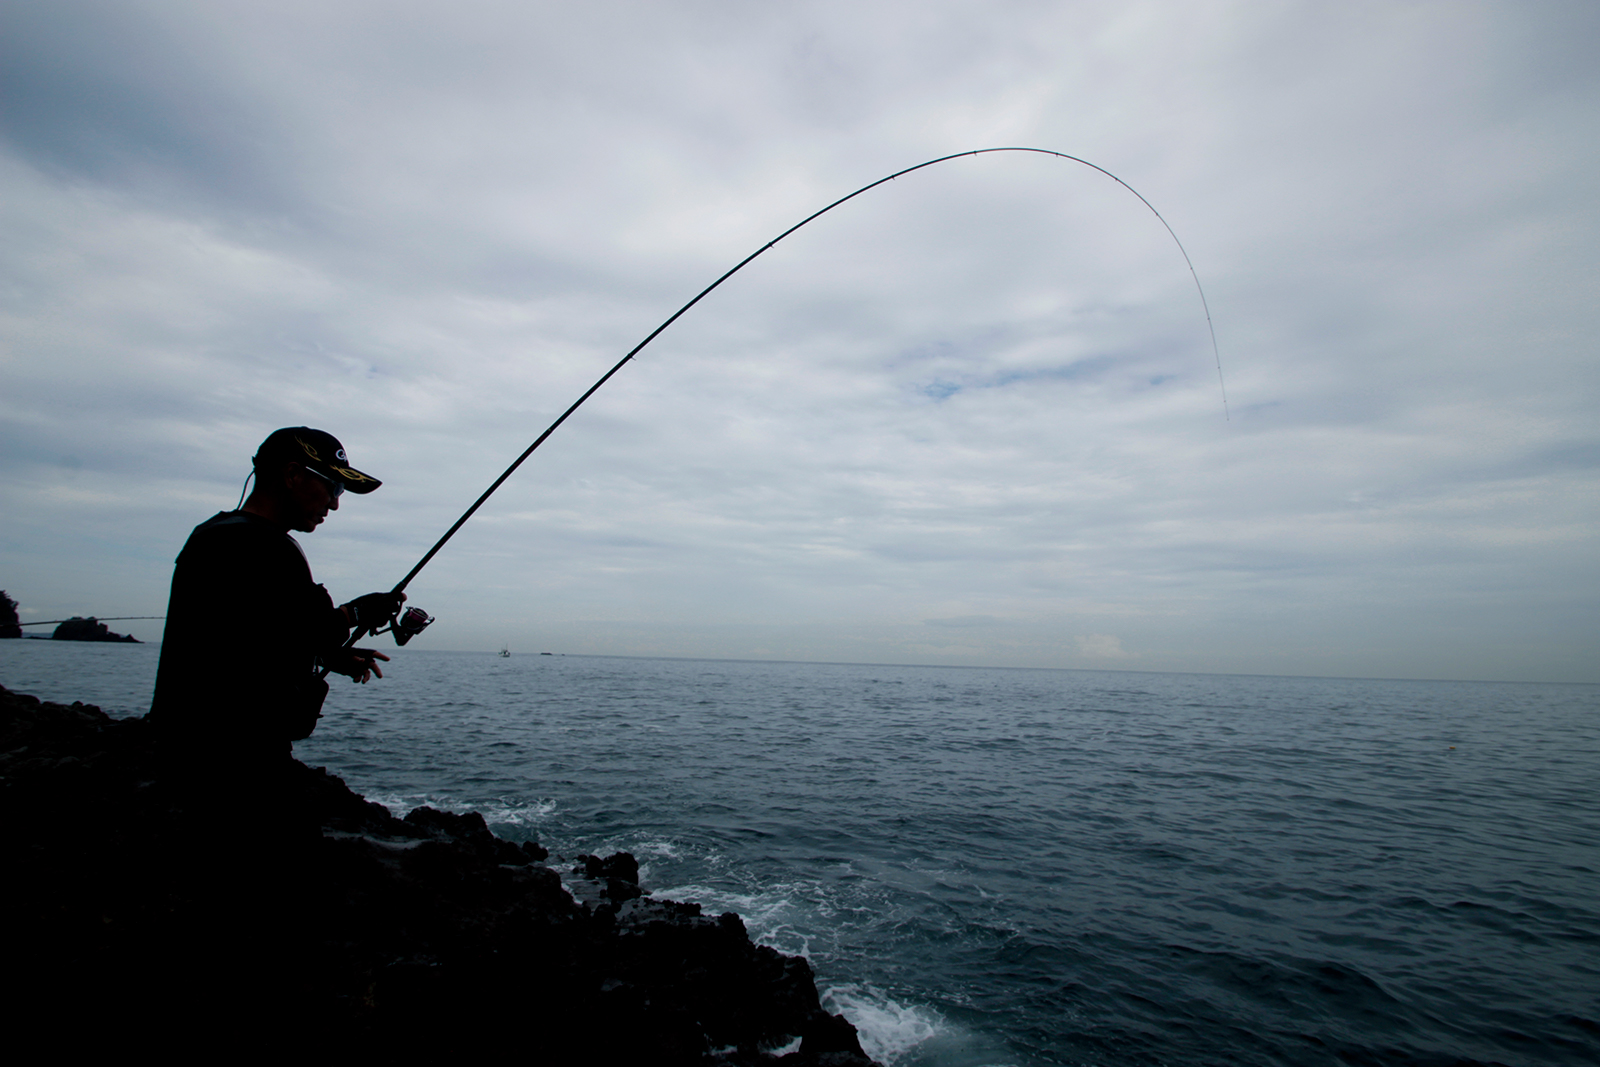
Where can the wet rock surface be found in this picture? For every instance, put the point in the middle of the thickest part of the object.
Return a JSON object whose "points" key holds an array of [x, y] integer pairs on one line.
{"points": [[198, 908]]}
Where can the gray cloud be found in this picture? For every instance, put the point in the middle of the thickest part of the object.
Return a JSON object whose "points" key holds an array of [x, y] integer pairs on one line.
{"points": [[984, 391]]}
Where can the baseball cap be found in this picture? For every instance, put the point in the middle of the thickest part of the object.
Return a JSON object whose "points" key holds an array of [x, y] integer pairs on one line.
{"points": [[318, 450]]}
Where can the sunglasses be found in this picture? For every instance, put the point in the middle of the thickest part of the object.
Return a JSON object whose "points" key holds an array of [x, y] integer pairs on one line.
{"points": [[334, 488]]}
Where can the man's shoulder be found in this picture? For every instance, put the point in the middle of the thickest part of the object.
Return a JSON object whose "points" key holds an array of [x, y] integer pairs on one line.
{"points": [[242, 518], [235, 531], [236, 524]]}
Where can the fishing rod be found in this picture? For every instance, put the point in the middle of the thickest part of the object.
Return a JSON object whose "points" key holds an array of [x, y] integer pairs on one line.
{"points": [[415, 619], [89, 618]]}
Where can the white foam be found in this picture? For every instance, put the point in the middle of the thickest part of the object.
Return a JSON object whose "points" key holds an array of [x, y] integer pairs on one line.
{"points": [[649, 852], [517, 812], [504, 811], [888, 1030], [783, 1050], [666, 850], [766, 914]]}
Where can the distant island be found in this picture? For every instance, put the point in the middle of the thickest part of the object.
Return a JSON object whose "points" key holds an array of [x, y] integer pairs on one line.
{"points": [[76, 628], [90, 629]]}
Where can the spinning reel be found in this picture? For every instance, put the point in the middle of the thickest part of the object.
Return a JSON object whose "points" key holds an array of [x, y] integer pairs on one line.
{"points": [[407, 625]]}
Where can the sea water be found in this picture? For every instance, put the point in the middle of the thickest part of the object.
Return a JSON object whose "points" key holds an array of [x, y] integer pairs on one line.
{"points": [[1032, 867]]}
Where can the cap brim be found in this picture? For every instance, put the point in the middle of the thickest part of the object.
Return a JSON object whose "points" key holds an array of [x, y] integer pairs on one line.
{"points": [[354, 480]]}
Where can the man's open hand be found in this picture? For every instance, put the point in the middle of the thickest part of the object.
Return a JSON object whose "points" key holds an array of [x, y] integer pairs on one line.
{"points": [[357, 664]]}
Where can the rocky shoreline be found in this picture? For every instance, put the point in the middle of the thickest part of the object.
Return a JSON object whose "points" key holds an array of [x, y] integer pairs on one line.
{"points": [[297, 915]]}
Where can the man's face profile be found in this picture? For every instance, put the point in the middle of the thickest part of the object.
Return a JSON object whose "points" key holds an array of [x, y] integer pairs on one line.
{"points": [[309, 496]]}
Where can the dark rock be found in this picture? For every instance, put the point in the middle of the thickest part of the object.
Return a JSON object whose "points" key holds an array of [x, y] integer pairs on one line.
{"points": [[9, 623], [617, 876], [834, 1035], [143, 908], [90, 629], [621, 865], [468, 829]]}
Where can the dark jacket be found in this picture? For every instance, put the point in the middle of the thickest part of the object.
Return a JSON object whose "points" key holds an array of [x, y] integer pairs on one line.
{"points": [[246, 626]]}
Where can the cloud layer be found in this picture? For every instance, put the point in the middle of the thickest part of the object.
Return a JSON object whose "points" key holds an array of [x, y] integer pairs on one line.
{"points": [[970, 417]]}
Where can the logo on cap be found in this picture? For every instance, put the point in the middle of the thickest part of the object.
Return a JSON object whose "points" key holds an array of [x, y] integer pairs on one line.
{"points": [[305, 445]]}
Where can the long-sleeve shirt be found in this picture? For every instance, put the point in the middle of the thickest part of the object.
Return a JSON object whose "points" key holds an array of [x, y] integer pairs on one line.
{"points": [[246, 626]]}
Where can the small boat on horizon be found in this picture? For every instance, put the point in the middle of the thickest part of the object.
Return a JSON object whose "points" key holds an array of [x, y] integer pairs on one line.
{"points": [[505, 652]]}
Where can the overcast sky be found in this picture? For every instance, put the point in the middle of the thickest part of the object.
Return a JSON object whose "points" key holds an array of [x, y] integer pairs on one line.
{"points": [[973, 417]]}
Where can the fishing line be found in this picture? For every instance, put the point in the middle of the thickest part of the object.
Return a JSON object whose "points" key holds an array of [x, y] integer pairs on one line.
{"points": [[243, 487], [487, 493]]}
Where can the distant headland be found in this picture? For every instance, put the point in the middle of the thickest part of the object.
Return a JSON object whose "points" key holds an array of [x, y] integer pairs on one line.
{"points": [[76, 628], [10, 625]]}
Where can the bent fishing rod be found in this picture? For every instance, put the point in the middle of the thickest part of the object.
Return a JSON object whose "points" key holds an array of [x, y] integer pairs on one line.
{"points": [[415, 619]]}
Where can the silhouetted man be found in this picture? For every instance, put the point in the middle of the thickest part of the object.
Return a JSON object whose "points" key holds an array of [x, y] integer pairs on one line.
{"points": [[248, 632], [248, 629]]}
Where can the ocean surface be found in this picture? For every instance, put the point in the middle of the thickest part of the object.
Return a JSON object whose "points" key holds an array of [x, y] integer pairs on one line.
{"points": [[1031, 867]]}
